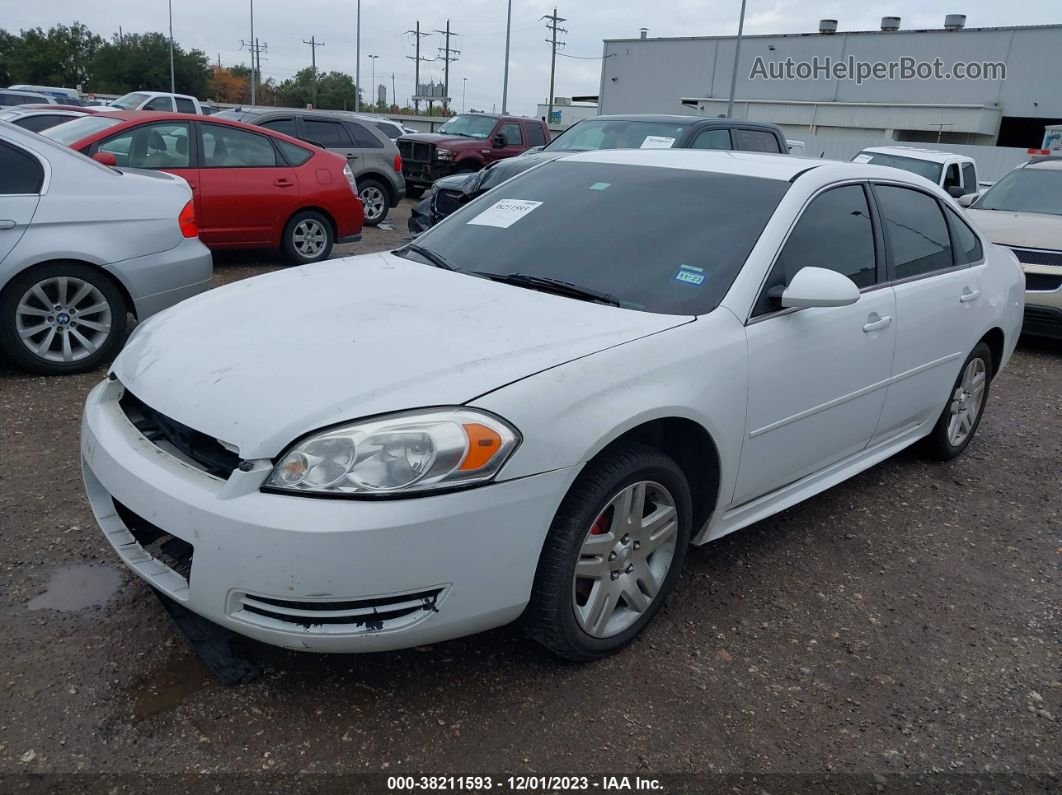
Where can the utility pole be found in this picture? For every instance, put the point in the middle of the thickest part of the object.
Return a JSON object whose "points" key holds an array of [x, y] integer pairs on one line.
{"points": [[554, 27], [254, 75], [173, 83], [737, 55], [416, 60], [314, 44], [448, 54], [256, 49], [357, 63], [394, 94], [464, 87], [505, 80], [372, 60]]}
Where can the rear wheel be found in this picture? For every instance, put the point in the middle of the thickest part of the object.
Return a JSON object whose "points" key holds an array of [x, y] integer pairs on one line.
{"points": [[376, 200], [61, 318], [958, 421], [414, 191], [308, 237]]}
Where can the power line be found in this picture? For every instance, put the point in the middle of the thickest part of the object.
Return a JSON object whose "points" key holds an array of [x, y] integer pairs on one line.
{"points": [[314, 44], [449, 55], [553, 25]]}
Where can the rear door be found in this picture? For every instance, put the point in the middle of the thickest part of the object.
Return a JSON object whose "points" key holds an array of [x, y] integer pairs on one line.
{"points": [[247, 192], [333, 136], [20, 188], [159, 103], [713, 139], [371, 150]]}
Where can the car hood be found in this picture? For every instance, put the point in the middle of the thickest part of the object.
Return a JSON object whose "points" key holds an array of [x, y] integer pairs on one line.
{"points": [[510, 167], [1032, 230], [261, 362], [445, 140]]}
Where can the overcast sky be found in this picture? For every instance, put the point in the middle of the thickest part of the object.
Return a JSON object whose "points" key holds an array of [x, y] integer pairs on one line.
{"points": [[217, 26]]}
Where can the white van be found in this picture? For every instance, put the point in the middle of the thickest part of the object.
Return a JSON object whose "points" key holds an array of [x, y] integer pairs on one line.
{"points": [[957, 174]]}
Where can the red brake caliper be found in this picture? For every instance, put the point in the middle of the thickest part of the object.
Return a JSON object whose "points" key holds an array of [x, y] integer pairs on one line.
{"points": [[600, 526]]}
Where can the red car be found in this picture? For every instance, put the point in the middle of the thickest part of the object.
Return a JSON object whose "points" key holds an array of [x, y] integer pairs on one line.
{"points": [[253, 188]]}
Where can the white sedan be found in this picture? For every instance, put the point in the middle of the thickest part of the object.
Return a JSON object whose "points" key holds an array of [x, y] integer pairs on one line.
{"points": [[533, 409]]}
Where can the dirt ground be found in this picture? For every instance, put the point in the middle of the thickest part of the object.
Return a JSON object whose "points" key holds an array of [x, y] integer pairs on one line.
{"points": [[905, 622]]}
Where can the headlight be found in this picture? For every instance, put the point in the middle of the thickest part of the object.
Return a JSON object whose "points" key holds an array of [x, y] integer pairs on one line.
{"points": [[415, 451], [443, 154]]}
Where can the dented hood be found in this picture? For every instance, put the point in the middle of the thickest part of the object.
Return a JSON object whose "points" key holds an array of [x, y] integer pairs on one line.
{"points": [[261, 362]]}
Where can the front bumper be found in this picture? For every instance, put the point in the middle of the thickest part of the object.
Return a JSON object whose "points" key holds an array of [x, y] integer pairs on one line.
{"points": [[324, 575], [1043, 300], [424, 174]]}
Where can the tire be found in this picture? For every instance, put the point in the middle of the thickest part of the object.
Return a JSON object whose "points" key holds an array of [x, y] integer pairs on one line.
{"points": [[374, 194], [414, 191], [71, 339], [308, 237], [561, 614], [945, 442]]}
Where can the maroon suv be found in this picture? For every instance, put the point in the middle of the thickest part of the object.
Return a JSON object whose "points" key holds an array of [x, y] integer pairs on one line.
{"points": [[466, 143]]}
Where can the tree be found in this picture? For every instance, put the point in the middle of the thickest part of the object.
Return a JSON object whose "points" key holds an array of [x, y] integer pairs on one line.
{"points": [[62, 56], [142, 61], [335, 90], [226, 86]]}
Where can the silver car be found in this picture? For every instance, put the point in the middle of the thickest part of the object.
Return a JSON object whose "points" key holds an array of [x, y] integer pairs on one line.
{"points": [[81, 247]]}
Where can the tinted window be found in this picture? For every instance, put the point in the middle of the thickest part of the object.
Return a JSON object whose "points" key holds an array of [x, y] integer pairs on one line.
{"points": [[963, 240], [712, 139], [951, 176], [392, 131], [160, 103], [69, 133], [511, 133], [535, 136], [229, 147], [616, 134], [915, 231], [41, 121], [161, 145], [295, 155], [755, 141], [363, 136], [924, 168], [184, 105], [286, 126], [835, 232], [589, 224], [19, 172], [1026, 190], [329, 134], [969, 178]]}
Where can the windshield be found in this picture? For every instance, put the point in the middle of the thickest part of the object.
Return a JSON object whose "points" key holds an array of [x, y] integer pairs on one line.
{"points": [[616, 134], [130, 101], [469, 125], [589, 224], [70, 132], [1026, 190], [923, 168]]}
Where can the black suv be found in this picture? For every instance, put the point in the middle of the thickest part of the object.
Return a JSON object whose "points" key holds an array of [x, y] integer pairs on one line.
{"points": [[635, 131]]}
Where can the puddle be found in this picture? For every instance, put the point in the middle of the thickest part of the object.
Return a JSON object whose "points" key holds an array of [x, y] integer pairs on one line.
{"points": [[182, 677], [74, 588]]}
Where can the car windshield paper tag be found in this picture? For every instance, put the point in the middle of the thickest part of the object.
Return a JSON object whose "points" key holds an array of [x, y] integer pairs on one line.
{"points": [[862, 158], [657, 142], [688, 274], [505, 213]]}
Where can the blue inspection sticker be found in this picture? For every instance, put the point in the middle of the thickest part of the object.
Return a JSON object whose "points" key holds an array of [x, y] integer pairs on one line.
{"points": [[693, 276]]}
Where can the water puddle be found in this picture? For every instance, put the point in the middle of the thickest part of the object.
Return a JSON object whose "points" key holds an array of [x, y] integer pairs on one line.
{"points": [[74, 588], [182, 677]]}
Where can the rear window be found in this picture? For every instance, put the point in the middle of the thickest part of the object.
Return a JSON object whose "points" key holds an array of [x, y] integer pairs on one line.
{"points": [[589, 224], [617, 134], [70, 132], [755, 141], [20, 172], [924, 168], [363, 137], [295, 155], [184, 105]]}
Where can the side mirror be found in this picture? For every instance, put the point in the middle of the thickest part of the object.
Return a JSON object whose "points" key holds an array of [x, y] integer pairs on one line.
{"points": [[968, 199], [498, 141], [955, 191], [819, 287], [106, 158]]}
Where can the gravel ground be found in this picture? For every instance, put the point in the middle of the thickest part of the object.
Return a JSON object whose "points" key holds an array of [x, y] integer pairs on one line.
{"points": [[907, 621]]}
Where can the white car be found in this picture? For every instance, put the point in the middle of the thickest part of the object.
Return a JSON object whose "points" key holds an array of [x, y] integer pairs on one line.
{"points": [[156, 100], [956, 174], [534, 408]]}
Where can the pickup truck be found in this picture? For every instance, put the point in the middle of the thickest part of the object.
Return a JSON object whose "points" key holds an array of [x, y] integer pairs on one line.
{"points": [[465, 144], [957, 174], [156, 100]]}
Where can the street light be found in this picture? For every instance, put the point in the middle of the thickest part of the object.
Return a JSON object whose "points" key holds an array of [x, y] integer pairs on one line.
{"points": [[373, 62], [464, 85], [505, 80], [357, 63], [737, 55], [173, 82]]}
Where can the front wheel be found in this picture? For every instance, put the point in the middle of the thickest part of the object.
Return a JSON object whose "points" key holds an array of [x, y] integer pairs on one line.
{"points": [[958, 421], [612, 555], [307, 237], [374, 196]]}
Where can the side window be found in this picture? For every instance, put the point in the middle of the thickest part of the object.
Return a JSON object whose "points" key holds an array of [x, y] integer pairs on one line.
{"points": [[713, 139], [951, 177], [363, 137], [535, 136], [966, 244], [969, 178], [755, 141], [329, 134], [915, 231], [159, 103], [295, 155], [230, 147], [511, 132], [184, 105], [162, 145], [20, 172], [41, 122], [835, 232], [286, 126]]}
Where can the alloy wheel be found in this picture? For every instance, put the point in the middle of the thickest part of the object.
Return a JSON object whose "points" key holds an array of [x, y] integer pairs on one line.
{"points": [[966, 402], [309, 238], [373, 199], [63, 319]]}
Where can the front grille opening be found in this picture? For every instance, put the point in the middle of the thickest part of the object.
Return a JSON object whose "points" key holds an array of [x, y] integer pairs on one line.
{"points": [[1042, 281], [1036, 256], [169, 550], [205, 452], [371, 614]]}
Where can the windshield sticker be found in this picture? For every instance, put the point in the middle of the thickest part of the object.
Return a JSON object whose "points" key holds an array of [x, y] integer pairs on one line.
{"points": [[600, 185], [862, 158], [688, 274], [505, 213], [657, 142]]}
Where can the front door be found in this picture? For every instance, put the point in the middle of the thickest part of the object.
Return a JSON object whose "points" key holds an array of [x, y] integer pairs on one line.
{"points": [[817, 376], [513, 138]]}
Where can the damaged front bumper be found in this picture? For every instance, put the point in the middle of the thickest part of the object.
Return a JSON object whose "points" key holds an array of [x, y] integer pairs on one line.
{"points": [[329, 575]]}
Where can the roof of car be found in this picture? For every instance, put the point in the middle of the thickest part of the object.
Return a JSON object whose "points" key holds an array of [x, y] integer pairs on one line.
{"points": [[768, 166], [51, 110], [1053, 162], [932, 155], [676, 118]]}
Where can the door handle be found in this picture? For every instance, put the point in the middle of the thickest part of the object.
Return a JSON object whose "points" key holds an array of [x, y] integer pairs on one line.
{"points": [[969, 295], [352, 157], [7, 224], [283, 183], [876, 323]]}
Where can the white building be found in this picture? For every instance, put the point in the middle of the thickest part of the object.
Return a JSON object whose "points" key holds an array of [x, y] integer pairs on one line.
{"points": [[566, 112]]}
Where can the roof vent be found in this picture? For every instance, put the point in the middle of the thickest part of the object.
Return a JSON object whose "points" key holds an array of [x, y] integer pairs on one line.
{"points": [[645, 31], [890, 23], [827, 26], [955, 22]]}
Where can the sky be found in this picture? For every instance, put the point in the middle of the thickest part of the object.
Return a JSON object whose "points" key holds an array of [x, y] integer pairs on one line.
{"points": [[218, 26]]}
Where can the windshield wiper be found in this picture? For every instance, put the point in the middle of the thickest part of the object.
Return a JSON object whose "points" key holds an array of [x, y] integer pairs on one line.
{"points": [[549, 285], [438, 260]]}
